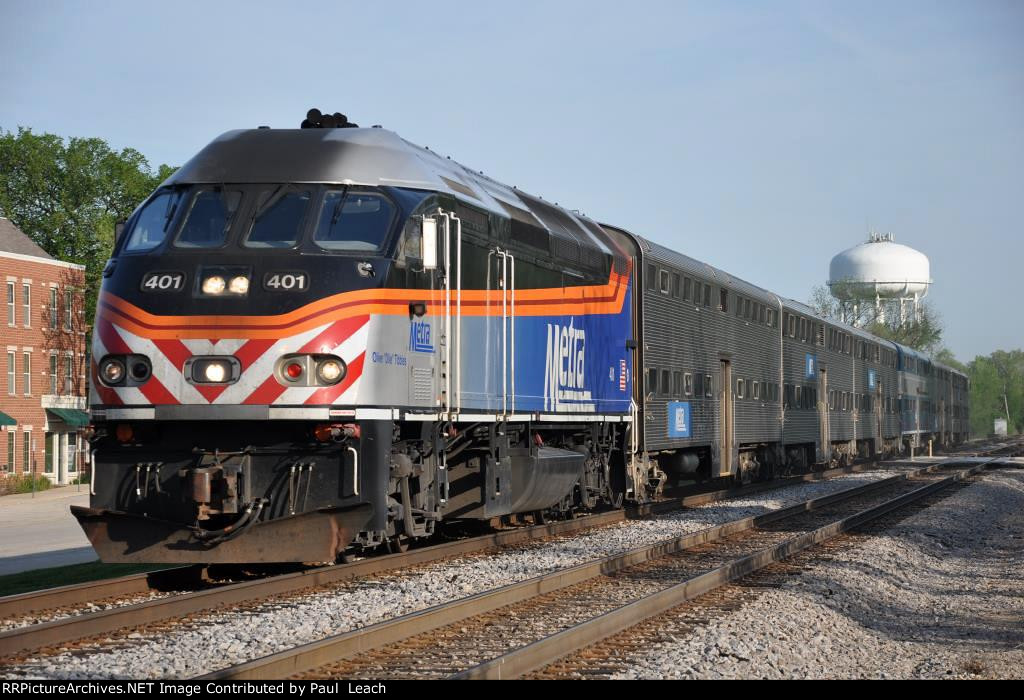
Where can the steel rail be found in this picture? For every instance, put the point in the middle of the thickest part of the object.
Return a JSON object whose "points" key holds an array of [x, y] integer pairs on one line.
{"points": [[77, 627], [91, 591], [348, 644], [548, 650]]}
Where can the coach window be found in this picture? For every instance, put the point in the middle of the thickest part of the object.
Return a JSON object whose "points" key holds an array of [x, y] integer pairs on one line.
{"points": [[663, 274], [688, 384], [707, 295], [800, 396], [675, 285], [677, 383], [723, 300], [280, 214], [652, 277], [153, 222], [739, 388], [354, 221], [698, 385], [208, 219], [709, 387], [686, 289], [755, 390], [665, 387], [652, 381]]}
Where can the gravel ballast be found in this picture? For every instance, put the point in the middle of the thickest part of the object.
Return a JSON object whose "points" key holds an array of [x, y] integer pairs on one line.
{"points": [[232, 637], [939, 594]]}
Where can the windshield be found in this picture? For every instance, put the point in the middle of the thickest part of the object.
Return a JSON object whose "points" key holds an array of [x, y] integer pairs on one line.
{"points": [[308, 218], [153, 222], [356, 221], [278, 219], [209, 218]]}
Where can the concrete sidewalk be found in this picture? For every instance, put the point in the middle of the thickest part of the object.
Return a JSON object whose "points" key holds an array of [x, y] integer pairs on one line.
{"points": [[40, 532]]}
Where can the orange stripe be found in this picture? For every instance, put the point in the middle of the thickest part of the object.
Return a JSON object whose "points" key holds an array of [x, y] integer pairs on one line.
{"points": [[558, 301]]}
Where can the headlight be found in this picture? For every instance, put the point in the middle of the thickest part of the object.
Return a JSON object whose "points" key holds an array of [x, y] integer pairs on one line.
{"points": [[330, 371], [213, 285], [239, 285], [112, 371], [213, 370]]}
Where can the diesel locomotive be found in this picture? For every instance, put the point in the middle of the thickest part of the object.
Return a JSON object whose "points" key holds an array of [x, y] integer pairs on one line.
{"points": [[321, 340]]}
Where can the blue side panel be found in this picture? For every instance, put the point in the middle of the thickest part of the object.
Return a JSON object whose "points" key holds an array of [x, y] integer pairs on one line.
{"points": [[563, 364]]}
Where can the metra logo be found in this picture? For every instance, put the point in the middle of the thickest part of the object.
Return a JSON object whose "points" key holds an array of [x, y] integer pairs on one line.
{"points": [[419, 337], [564, 366]]}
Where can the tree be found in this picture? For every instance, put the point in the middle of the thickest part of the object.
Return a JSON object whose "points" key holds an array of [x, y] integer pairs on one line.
{"points": [[67, 195], [923, 333], [997, 389]]}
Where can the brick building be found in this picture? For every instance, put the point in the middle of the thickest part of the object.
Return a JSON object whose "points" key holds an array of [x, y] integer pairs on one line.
{"points": [[42, 359]]}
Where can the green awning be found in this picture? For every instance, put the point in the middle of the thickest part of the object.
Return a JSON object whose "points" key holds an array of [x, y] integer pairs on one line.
{"points": [[71, 416], [6, 419]]}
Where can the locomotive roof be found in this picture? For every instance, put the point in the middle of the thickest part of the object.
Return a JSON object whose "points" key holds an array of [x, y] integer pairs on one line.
{"points": [[374, 158]]}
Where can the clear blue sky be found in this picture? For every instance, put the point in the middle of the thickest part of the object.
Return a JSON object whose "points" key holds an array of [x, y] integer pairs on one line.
{"points": [[760, 137]]}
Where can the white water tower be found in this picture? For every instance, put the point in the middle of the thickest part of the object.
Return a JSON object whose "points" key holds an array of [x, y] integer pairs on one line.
{"points": [[882, 273]]}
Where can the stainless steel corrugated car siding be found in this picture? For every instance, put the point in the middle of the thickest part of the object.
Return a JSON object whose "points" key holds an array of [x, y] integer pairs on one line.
{"points": [[688, 337]]}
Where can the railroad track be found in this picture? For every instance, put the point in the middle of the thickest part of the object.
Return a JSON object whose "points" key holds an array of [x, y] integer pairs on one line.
{"points": [[524, 626], [77, 626]]}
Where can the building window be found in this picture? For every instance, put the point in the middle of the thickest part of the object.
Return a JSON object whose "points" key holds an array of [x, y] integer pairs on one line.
{"points": [[10, 303], [72, 452], [54, 311], [9, 465], [69, 374], [26, 303], [68, 313], [26, 372], [53, 374], [26, 445], [11, 388]]}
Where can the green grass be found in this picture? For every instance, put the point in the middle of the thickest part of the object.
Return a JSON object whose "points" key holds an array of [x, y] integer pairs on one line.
{"points": [[38, 579], [23, 483]]}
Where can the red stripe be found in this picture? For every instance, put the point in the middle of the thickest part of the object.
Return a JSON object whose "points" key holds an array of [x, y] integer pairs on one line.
{"points": [[266, 393], [335, 334], [328, 395], [175, 351], [157, 393], [252, 350], [111, 339], [211, 392]]}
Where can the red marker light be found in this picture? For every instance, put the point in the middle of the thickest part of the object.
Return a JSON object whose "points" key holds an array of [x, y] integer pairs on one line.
{"points": [[293, 370]]}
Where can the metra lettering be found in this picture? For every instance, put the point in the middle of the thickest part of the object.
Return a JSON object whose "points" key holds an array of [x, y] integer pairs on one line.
{"points": [[564, 365], [419, 337]]}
